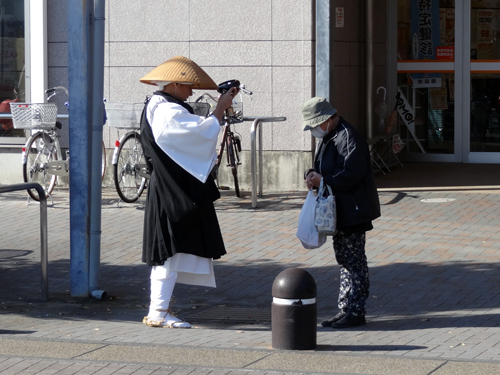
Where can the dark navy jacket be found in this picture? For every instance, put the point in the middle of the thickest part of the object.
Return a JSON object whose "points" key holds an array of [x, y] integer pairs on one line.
{"points": [[343, 159]]}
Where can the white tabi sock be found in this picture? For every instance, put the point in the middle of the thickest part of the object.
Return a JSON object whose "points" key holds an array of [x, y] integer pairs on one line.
{"points": [[161, 293]]}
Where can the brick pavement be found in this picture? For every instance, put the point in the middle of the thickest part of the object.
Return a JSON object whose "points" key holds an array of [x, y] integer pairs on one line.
{"points": [[434, 281]]}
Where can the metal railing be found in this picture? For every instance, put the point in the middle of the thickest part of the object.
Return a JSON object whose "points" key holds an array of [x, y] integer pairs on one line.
{"points": [[43, 229], [4, 115], [253, 130]]}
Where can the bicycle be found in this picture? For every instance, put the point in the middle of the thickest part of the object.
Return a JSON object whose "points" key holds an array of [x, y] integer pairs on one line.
{"points": [[130, 169], [130, 173], [230, 141], [42, 156]]}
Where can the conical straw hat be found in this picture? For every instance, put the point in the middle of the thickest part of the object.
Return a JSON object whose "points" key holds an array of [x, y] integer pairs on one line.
{"points": [[183, 70]]}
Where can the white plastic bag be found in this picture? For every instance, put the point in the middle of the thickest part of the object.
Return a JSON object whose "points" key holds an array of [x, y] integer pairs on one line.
{"points": [[306, 231]]}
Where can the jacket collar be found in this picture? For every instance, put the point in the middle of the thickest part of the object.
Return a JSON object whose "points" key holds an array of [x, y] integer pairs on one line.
{"points": [[171, 99]]}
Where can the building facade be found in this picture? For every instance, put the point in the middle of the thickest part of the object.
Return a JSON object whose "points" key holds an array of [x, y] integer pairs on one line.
{"points": [[424, 70]]}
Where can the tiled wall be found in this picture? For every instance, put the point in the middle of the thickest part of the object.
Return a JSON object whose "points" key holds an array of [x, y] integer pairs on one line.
{"points": [[266, 44]]}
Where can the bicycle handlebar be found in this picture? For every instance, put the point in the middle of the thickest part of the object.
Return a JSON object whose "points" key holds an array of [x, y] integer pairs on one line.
{"points": [[245, 90], [242, 88], [53, 91]]}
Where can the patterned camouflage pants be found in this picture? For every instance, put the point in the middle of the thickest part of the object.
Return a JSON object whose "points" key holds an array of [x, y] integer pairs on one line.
{"points": [[354, 282]]}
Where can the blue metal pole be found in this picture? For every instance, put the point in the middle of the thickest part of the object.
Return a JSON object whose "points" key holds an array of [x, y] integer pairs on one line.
{"points": [[79, 74], [97, 64], [323, 62]]}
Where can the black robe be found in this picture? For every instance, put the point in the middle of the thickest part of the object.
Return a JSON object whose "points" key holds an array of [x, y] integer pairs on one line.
{"points": [[180, 215]]}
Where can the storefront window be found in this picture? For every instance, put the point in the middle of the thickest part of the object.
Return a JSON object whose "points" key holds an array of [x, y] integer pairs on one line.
{"points": [[426, 29], [426, 34], [12, 77], [485, 30], [430, 128]]}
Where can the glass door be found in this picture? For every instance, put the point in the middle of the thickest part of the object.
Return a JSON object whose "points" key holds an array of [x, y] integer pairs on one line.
{"points": [[426, 80], [482, 136], [448, 80]]}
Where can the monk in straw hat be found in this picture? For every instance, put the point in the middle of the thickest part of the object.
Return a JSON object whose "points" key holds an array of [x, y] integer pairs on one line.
{"points": [[181, 231]]}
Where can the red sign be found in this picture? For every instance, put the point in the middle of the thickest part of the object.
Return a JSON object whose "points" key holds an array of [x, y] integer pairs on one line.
{"points": [[445, 53]]}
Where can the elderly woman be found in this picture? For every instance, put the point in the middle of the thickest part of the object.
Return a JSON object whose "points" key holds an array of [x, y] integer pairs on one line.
{"points": [[343, 162], [181, 230]]}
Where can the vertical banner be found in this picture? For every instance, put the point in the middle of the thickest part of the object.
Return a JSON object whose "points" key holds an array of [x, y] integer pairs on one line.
{"points": [[485, 34], [406, 112], [425, 29]]}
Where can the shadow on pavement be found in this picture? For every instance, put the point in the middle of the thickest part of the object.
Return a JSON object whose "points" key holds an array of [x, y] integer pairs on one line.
{"points": [[403, 296]]}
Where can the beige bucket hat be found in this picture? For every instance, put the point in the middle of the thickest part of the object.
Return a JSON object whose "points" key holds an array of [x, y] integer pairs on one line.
{"points": [[315, 111], [182, 70]]}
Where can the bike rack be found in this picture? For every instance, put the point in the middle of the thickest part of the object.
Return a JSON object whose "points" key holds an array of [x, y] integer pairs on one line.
{"points": [[255, 126], [43, 229]]}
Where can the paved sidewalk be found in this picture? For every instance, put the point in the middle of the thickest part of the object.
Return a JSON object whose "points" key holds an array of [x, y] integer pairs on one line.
{"points": [[433, 307]]}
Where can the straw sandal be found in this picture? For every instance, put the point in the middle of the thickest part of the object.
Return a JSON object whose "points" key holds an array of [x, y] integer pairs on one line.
{"points": [[168, 321]]}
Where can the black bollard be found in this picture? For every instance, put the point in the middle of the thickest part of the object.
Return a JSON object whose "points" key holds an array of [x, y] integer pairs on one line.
{"points": [[294, 310]]}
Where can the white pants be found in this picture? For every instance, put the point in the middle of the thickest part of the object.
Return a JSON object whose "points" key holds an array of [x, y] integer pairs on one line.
{"points": [[161, 293], [185, 268]]}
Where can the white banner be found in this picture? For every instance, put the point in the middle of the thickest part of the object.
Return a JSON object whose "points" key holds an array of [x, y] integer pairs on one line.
{"points": [[406, 113]]}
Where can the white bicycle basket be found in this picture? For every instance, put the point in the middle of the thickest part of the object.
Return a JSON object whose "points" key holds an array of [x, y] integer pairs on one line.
{"points": [[124, 115], [33, 115]]}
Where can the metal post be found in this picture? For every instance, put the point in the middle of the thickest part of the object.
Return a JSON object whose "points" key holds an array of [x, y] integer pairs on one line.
{"points": [[369, 69], [323, 48], [253, 161], [260, 162], [80, 87], [253, 135], [96, 170], [323, 59], [44, 247]]}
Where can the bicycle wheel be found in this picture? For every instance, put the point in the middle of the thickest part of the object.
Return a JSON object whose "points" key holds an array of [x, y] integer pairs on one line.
{"points": [[233, 163], [103, 162], [39, 150], [128, 182]]}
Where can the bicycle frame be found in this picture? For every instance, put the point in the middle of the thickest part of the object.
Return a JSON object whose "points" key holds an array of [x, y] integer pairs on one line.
{"points": [[229, 142], [57, 167], [227, 134]]}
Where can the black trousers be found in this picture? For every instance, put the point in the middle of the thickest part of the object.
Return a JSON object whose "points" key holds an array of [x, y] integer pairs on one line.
{"points": [[354, 280]]}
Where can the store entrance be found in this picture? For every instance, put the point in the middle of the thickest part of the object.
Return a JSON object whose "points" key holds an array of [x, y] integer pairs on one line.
{"points": [[448, 76]]}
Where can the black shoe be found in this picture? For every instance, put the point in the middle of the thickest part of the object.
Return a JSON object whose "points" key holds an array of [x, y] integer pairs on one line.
{"points": [[336, 318], [350, 321]]}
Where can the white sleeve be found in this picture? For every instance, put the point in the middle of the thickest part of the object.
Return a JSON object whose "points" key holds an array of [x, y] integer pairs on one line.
{"points": [[189, 140]]}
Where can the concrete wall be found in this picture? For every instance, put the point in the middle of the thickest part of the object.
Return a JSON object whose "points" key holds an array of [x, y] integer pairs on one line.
{"points": [[267, 44], [12, 172], [281, 171], [349, 61]]}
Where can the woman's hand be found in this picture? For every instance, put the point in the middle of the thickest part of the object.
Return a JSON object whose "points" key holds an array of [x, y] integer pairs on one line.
{"points": [[224, 103], [313, 179]]}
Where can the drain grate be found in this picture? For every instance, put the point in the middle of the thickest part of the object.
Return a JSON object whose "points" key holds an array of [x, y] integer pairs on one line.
{"points": [[234, 314]]}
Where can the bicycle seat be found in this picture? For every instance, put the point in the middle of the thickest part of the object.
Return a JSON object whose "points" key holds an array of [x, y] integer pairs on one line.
{"points": [[228, 85]]}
